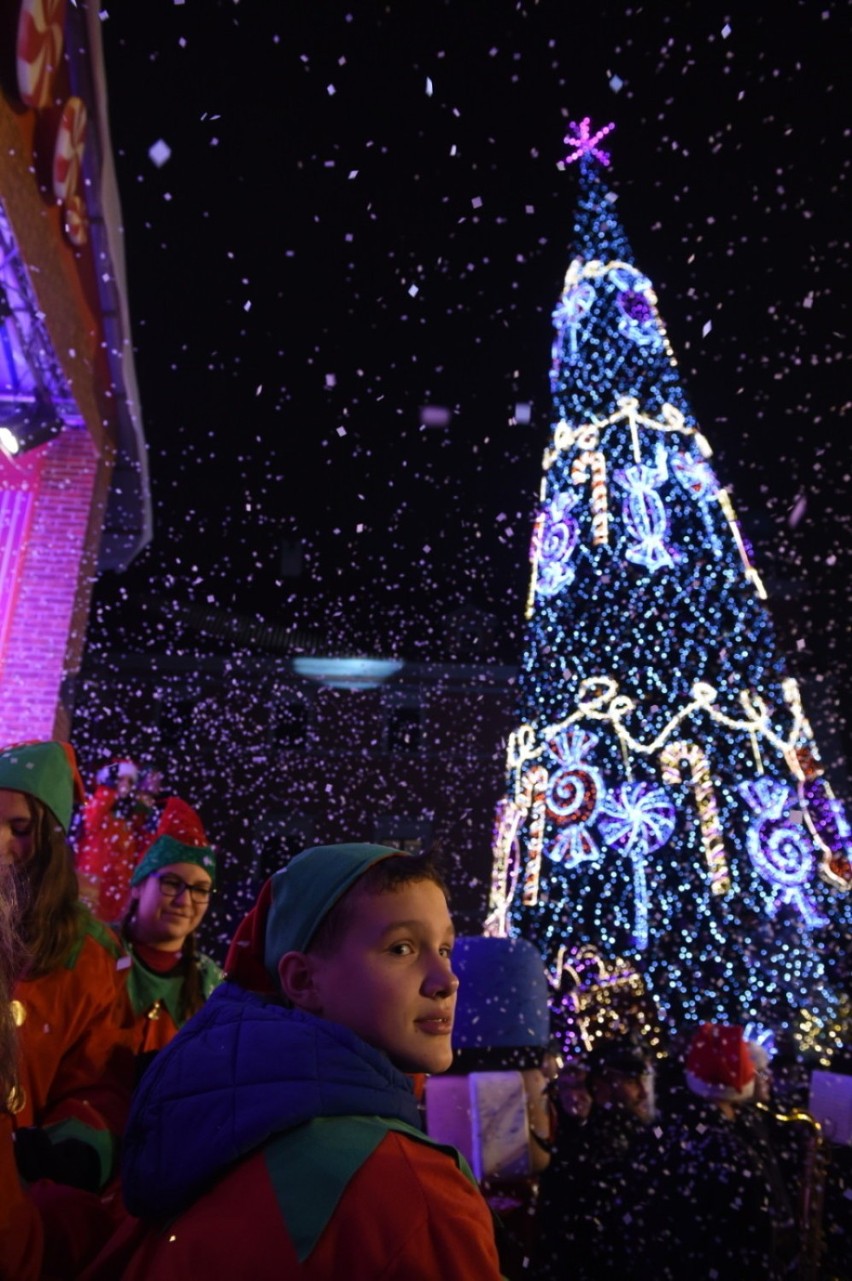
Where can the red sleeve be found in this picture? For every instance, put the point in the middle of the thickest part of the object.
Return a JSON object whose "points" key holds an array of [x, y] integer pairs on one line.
{"points": [[69, 1067], [93, 847], [408, 1215], [21, 1232]]}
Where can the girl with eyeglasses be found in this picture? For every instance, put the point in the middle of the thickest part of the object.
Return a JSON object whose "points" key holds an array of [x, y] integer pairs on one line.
{"points": [[167, 979]]}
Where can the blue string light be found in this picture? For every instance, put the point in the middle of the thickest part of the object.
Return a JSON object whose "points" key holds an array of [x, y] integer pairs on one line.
{"points": [[665, 801]]}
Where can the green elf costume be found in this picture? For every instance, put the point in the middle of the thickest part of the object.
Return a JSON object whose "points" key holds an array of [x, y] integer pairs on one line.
{"points": [[152, 1000], [270, 1143]]}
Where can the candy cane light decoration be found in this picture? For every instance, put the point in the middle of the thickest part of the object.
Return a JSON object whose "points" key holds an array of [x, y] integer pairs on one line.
{"points": [[671, 758]]}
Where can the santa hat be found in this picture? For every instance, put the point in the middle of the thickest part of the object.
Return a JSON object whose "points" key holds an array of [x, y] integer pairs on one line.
{"points": [[120, 767], [181, 821], [46, 771], [291, 907], [718, 1064], [180, 838]]}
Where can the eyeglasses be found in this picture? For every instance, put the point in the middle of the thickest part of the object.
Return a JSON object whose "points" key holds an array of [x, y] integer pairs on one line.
{"points": [[172, 885]]}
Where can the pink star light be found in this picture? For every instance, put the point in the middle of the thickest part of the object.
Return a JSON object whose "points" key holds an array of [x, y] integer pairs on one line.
{"points": [[586, 143]]}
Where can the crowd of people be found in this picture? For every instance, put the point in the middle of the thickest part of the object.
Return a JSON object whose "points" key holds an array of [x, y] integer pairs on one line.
{"points": [[694, 1184], [162, 1118]]}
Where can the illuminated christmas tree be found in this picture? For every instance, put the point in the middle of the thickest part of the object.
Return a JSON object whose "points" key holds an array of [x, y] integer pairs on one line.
{"points": [[665, 799]]}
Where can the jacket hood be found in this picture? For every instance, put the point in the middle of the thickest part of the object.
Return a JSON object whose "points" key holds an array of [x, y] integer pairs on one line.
{"points": [[241, 1070]]}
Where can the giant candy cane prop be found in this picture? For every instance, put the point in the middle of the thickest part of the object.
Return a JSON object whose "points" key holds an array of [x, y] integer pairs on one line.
{"points": [[591, 464], [671, 758], [534, 801], [531, 800], [506, 823]]}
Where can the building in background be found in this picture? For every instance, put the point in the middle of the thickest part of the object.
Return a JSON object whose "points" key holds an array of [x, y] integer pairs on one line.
{"points": [[280, 753], [73, 481]]}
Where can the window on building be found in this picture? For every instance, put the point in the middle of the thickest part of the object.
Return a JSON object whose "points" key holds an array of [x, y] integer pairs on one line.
{"points": [[278, 836], [290, 726], [403, 833], [404, 729]]}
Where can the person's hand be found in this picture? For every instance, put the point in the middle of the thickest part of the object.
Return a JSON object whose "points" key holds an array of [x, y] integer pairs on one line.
{"points": [[70, 1161]]}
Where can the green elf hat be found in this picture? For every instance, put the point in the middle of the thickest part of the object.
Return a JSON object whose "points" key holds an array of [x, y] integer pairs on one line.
{"points": [[305, 891], [46, 771], [166, 850], [180, 838]]}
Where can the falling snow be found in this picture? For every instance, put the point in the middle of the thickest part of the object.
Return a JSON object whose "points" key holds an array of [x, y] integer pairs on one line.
{"points": [[384, 200]]}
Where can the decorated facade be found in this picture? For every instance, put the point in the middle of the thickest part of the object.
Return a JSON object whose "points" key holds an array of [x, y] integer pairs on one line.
{"points": [[73, 480], [665, 801]]}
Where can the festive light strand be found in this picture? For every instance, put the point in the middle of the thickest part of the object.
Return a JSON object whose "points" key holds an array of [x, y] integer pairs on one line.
{"points": [[608, 705], [566, 437]]}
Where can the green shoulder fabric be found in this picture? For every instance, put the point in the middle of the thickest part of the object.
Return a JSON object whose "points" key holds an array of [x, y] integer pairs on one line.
{"points": [[103, 1143], [311, 1166], [145, 988], [90, 927], [210, 973]]}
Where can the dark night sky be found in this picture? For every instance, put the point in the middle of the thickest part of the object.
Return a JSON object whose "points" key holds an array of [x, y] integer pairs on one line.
{"points": [[331, 246]]}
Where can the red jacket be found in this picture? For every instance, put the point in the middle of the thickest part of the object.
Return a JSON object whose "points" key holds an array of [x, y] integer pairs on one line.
{"points": [[408, 1214], [148, 1004], [268, 1143], [108, 850], [70, 1076]]}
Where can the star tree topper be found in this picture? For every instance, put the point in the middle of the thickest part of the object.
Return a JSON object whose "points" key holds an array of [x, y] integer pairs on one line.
{"points": [[586, 143]]}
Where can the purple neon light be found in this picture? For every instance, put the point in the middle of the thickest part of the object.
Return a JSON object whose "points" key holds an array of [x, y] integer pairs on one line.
{"points": [[15, 513], [586, 144]]}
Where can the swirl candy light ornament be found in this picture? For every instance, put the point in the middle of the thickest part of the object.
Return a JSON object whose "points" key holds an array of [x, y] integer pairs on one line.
{"points": [[557, 538], [682, 826], [572, 798], [780, 849], [39, 47], [69, 149], [635, 819]]}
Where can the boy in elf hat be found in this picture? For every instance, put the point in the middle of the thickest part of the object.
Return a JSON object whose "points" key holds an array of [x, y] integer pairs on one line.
{"points": [[278, 1135], [166, 979]]}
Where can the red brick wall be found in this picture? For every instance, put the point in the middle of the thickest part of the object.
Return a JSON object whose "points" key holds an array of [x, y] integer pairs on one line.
{"points": [[53, 587]]}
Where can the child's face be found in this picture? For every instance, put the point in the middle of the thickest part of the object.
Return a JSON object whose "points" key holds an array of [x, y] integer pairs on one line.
{"points": [[390, 979]]}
